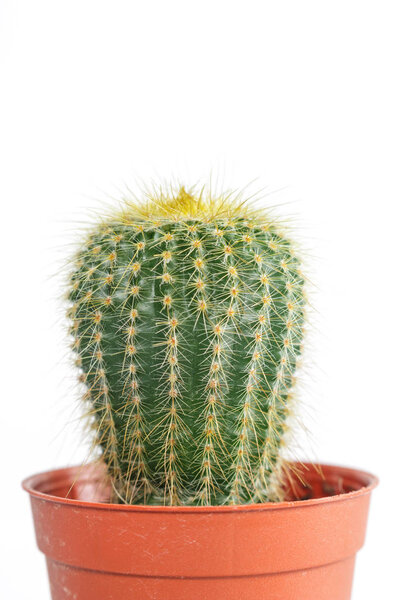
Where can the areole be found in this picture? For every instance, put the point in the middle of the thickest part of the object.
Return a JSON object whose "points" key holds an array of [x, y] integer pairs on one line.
{"points": [[292, 550]]}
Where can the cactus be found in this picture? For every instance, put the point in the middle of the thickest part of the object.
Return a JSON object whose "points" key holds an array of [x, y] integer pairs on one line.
{"points": [[187, 317]]}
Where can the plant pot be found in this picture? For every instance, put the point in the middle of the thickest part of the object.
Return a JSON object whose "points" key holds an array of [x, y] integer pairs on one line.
{"points": [[292, 550]]}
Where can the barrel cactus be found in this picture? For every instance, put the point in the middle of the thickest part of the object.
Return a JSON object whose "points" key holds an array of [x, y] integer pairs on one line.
{"points": [[187, 313]]}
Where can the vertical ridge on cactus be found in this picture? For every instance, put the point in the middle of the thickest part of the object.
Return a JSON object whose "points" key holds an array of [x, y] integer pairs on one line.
{"points": [[187, 315]]}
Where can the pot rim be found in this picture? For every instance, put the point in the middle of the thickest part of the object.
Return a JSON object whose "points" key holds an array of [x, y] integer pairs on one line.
{"points": [[366, 480]]}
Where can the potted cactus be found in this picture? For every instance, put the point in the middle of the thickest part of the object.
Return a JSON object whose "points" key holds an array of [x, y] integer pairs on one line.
{"points": [[187, 316]]}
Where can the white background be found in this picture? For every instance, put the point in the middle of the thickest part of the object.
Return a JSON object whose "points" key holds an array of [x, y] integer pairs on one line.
{"points": [[302, 96]]}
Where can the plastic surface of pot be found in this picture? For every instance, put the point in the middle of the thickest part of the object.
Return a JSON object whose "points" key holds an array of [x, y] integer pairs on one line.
{"points": [[294, 550]]}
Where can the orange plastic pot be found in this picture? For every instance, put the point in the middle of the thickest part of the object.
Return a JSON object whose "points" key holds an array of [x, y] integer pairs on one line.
{"points": [[295, 550]]}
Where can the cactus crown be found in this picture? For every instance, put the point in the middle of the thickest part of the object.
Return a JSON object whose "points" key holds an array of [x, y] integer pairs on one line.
{"points": [[187, 317]]}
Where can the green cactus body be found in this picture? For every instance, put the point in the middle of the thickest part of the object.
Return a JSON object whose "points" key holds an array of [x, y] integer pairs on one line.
{"points": [[187, 319]]}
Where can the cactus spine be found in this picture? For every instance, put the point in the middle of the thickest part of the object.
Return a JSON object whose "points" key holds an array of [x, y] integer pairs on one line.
{"points": [[187, 319]]}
